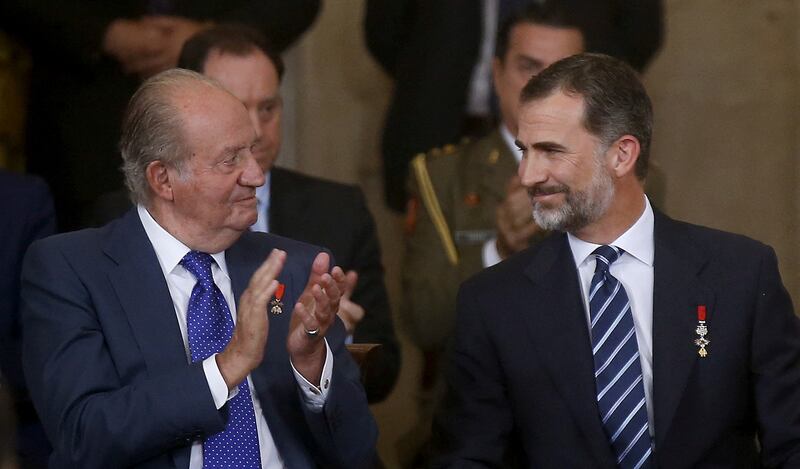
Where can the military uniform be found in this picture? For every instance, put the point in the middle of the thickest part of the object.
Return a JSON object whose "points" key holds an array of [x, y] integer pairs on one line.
{"points": [[454, 194]]}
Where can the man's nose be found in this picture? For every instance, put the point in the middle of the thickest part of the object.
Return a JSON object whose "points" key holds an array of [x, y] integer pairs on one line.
{"points": [[531, 170], [256, 122], [252, 175]]}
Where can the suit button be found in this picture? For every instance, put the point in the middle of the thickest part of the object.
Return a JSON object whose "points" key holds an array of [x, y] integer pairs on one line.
{"points": [[188, 440]]}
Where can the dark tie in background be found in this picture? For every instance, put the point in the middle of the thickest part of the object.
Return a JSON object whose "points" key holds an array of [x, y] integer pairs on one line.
{"points": [[618, 372], [210, 327]]}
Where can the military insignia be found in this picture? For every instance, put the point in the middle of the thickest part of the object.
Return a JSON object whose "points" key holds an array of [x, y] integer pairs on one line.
{"points": [[410, 223], [494, 156], [470, 237], [275, 304], [701, 330], [472, 199]]}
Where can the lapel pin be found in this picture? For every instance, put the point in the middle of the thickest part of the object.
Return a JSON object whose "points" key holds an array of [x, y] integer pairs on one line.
{"points": [[701, 331], [275, 304]]}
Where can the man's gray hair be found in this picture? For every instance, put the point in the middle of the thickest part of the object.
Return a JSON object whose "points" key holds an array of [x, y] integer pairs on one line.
{"points": [[152, 129], [615, 101]]}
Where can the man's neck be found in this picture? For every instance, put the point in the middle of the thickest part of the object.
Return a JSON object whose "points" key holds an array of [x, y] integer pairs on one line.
{"points": [[620, 216], [189, 234]]}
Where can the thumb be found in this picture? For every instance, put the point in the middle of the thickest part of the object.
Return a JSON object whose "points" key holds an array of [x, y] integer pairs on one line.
{"points": [[514, 184]]}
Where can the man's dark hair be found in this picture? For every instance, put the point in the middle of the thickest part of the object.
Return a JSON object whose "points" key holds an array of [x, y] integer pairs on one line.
{"points": [[233, 39], [550, 13], [615, 101]]}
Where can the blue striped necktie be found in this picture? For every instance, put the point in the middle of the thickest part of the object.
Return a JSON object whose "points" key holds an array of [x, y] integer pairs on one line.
{"points": [[618, 373], [210, 328]]}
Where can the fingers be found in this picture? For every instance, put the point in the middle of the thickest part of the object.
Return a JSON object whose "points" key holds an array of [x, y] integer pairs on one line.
{"points": [[263, 283], [350, 281], [319, 267]]}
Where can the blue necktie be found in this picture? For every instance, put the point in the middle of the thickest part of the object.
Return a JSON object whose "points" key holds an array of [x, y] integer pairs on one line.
{"points": [[210, 328], [618, 373]]}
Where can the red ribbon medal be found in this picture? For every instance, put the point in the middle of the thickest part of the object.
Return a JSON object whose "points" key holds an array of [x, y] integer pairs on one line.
{"points": [[701, 331], [275, 304]]}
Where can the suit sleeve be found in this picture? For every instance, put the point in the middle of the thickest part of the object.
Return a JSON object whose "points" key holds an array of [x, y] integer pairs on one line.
{"points": [[429, 280], [370, 293], [35, 219], [640, 26], [91, 418], [281, 21], [386, 26], [474, 423], [776, 369], [78, 30], [345, 432]]}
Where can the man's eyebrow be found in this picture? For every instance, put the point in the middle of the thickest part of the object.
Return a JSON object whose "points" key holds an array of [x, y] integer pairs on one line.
{"points": [[528, 60], [232, 150], [548, 146], [519, 145]]}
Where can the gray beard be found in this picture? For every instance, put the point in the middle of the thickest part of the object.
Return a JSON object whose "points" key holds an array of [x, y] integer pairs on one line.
{"points": [[580, 208]]}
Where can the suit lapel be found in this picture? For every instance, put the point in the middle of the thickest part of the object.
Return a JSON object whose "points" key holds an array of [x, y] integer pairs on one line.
{"points": [[677, 291], [142, 291], [144, 296], [243, 258], [560, 332]]}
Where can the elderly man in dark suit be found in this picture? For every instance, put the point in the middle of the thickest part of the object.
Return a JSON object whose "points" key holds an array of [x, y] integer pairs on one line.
{"points": [[165, 339], [294, 205], [631, 340]]}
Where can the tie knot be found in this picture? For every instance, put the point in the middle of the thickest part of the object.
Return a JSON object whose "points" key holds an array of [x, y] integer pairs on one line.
{"points": [[199, 264], [606, 255]]}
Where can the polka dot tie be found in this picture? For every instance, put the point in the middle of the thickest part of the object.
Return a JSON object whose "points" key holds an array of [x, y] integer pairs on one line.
{"points": [[210, 328]]}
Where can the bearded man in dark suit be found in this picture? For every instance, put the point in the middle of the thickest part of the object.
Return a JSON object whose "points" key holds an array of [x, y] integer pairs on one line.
{"points": [[631, 340]]}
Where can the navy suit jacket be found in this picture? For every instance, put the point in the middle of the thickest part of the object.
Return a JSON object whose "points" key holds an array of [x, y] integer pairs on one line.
{"points": [[521, 375], [336, 216], [108, 372], [26, 214]]}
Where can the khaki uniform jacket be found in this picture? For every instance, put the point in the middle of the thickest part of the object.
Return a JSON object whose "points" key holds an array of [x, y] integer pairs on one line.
{"points": [[454, 193]]}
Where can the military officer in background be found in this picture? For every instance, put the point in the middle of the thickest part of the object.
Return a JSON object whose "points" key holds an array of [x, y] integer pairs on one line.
{"points": [[468, 210]]}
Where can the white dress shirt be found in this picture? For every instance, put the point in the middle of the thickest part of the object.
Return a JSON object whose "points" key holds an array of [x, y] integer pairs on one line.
{"points": [[180, 282], [262, 197], [634, 269], [489, 252], [480, 83]]}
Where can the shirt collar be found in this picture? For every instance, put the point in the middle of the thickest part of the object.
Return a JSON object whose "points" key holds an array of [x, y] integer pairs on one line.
{"points": [[637, 241], [262, 192], [509, 139], [169, 250]]}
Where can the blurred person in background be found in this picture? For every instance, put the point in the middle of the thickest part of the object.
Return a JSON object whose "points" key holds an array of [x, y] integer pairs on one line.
{"points": [[440, 53], [26, 214], [89, 57]]}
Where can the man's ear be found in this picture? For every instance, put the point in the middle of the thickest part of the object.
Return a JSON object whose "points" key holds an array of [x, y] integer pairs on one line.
{"points": [[623, 155], [159, 179]]}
